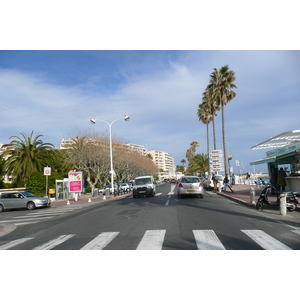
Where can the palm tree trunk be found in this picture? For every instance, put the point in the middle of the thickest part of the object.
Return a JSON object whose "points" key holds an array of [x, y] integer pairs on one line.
{"points": [[224, 142], [207, 137], [214, 132]]}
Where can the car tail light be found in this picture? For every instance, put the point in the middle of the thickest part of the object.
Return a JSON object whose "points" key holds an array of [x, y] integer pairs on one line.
{"points": [[180, 185], [200, 184]]}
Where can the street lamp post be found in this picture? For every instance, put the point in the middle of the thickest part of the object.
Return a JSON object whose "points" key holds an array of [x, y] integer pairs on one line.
{"points": [[112, 172]]}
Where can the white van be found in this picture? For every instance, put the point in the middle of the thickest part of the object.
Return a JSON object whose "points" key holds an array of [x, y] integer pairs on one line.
{"points": [[143, 186]]}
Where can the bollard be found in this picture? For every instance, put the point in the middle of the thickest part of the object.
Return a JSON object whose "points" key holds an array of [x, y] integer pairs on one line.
{"points": [[89, 200], [219, 188], [252, 195], [283, 204], [68, 203]]}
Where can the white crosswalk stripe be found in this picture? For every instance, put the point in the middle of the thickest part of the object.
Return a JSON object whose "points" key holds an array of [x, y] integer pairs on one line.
{"points": [[265, 241], [14, 243], [55, 242], [154, 239], [37, 216], [207, 240], [101, 241]]}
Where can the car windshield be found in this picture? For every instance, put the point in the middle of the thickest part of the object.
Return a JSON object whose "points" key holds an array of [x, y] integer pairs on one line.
{"points": [[142, 181], [27, 194], [190, 180]]}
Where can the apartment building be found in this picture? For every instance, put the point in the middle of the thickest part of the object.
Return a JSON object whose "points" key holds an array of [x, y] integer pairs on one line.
{"points": [[163, 160], [138, 148]]}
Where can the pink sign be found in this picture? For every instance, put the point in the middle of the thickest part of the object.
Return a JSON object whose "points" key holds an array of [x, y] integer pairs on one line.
{"points": [[75, 181]]}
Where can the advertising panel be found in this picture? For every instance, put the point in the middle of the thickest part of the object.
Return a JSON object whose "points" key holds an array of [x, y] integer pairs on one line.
{"points": [[75, 181]]}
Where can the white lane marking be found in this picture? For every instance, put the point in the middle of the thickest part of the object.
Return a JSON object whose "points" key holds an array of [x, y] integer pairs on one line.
{"points": [[207, 240], [14, 243], [47, 213], [26, 219], [296, 231], [167, 203], [172, 190], [158, 194], [265, 241], [152, 240], [26, 223], [101, 241], [53, 243]]}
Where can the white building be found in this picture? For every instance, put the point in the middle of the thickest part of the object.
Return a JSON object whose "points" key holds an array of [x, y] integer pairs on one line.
{"points": [[138, 148], [164, 161]]}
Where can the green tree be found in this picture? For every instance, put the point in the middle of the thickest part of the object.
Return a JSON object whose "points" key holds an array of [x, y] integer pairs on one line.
{"points": [[27, 155], [36, 184], [221, 85], [191, 151], [199, 164]]}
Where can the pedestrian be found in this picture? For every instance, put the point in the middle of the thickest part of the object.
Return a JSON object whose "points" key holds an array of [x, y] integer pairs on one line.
{"points": [[281, 179], [215, 182], [226, 183], [248, 178], [232, 179], [273, 180]]}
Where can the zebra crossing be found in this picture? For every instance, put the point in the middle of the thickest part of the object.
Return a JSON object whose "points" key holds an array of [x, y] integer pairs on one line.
{"points": [[40, 215], [154, 240]]}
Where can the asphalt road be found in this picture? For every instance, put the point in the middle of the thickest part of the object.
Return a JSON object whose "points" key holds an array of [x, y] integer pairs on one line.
{"points": [[153, 223]]}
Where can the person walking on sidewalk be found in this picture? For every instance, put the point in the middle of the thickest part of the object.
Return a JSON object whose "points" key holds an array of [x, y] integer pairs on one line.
{"points": [[215, 182], [232, 179], [281, 179], [226, 183]]}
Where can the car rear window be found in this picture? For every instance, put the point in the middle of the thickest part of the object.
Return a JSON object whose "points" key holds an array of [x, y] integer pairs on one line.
{"points": [[190, 180]]}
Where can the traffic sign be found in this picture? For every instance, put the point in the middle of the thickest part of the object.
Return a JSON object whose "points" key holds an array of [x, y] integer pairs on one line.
{"points": [[47, 171]]}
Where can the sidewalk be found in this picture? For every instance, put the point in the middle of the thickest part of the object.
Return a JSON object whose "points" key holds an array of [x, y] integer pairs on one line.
{"points": [[242, 194], [84, 198]]}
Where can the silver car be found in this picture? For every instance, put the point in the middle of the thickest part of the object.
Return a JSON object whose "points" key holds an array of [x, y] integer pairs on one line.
{"points": [[14, 200], [190, 185]]}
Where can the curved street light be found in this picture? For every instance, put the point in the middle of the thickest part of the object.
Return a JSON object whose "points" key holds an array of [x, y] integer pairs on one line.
{"points": [[112, 172]]}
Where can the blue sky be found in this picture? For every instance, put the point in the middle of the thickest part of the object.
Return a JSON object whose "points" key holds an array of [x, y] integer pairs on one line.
{"points": [[56, 93]]}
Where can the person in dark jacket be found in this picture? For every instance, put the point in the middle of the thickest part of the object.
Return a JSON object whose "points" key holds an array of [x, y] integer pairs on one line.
{"points": [[226, 183]]}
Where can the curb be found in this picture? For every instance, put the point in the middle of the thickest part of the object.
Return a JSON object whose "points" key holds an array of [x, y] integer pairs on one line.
{"points": [[237, 200], [6, 229]]}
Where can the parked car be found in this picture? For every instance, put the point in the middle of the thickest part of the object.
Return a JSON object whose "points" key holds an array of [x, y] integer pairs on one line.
{"points": [[209, 185], [173, 180], [104, 188], [190, 185], [14, 200], [144, 186], [125, 187]]}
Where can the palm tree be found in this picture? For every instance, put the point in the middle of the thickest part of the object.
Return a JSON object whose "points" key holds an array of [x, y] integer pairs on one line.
{"points": [[27, 156], [205, 118], [199, 164], [183, 161], [222, 83]]}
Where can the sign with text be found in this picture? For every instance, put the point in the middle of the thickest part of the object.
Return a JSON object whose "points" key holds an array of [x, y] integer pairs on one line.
{"points": [[216, 160], [75, 181]]}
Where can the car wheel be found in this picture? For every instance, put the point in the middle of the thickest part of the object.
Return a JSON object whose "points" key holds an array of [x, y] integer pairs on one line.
{"points": [[30, 205], [1, 208]]}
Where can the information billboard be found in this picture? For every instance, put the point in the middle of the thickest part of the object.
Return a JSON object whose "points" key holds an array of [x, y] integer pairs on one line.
{"points": [[75, 181]]}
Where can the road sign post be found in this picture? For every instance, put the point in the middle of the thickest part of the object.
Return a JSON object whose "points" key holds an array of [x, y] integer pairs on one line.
{"points": [[47, 172]]}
